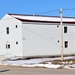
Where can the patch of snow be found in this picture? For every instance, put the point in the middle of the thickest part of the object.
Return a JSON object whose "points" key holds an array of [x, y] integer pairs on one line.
{"points": [[72, 66], [39, 62], [31, 61], [52, 66]]}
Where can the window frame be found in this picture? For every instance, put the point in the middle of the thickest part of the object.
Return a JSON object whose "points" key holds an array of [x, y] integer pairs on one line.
{"points": [[7, 30], [66, 44], [57, 26], [7, 46], [16, 42], [16, 26], [65, 29]]}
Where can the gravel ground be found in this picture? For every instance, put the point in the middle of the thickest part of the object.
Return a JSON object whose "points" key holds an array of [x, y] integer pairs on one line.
{"points": [[8, 70]]}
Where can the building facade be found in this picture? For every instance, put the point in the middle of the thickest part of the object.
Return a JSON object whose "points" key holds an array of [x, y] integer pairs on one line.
{"points": [[36, 36]]}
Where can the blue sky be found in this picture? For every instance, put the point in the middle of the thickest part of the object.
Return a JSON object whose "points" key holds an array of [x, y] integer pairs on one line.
{"points": [[37, 6]]}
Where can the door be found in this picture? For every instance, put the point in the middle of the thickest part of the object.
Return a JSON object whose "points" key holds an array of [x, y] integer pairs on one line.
{"points": [[8, 52]]}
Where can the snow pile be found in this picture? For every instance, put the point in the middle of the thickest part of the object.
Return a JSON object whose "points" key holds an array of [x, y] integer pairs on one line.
{"points": [[32, 63], [40, 62], [52, 66], [72, 66]]}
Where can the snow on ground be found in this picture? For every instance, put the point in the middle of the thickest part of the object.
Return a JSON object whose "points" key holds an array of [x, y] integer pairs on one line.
{"points": [[38, 62], [32, 63]]}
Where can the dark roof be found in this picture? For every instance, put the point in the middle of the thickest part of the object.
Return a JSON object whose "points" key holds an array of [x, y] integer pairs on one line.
{"points": [[38, 15], [27, 20]]}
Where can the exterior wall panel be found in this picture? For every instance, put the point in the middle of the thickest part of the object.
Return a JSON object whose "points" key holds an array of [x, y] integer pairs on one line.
{"points": [[45, 40], [15, 34], [41, 40], [28, 39]]}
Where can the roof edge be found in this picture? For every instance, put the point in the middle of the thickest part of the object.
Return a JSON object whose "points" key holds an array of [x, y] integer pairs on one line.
{"points": [[38, 15], [25, 20]]}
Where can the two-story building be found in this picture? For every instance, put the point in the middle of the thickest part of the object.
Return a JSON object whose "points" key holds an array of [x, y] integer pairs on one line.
{"points": [[33, 35]]}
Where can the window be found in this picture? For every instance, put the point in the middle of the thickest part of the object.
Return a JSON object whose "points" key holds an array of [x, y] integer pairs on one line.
{"points": [[7, 30], [7, 46], [65, 29], [16, 26], [66, 44], [58, 41], [57, 26], [16, 42]]}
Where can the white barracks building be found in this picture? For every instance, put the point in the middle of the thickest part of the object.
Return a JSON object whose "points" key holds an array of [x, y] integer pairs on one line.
{"points": [[34, 36]]}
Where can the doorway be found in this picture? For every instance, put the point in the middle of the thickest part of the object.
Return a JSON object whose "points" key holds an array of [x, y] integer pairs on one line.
{"points": [[8, 52]]}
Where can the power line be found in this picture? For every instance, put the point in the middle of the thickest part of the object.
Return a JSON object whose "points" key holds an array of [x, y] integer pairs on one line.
{"points": [[47, 39], [38, 35], [70, 51], [32, 32], [41, 36], [47, 12], [35, 14], [69, 9], [44, 12]]}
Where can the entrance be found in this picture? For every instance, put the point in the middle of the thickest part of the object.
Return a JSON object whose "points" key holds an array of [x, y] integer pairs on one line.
{"points": [[8, 52]]}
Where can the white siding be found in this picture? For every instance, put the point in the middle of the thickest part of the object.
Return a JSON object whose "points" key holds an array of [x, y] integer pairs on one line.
{"points": [[70, 37], [15, 34], [34, 39], [41, 40]]}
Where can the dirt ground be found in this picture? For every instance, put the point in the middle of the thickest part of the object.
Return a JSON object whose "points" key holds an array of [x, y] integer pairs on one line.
{"points": [[8, 70]]}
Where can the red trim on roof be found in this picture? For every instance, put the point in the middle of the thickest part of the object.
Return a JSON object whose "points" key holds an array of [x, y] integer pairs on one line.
{"points": [[25, 20]]}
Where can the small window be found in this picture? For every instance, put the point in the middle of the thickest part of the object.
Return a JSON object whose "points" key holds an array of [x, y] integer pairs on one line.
{"points": [[7, 30], [57, 26], [65, 29], [58, 41], [9, 46], [16, 42], [66, 44], [16, 26]]}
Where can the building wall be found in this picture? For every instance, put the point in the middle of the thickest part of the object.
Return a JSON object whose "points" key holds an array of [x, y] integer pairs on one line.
{"points": [[70, 37], [34, 39], [15, 35], [45, 40], [41, 39]]}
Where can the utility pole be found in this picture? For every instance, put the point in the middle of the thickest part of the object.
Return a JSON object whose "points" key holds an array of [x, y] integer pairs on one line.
{"points": [[62, 58]]}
